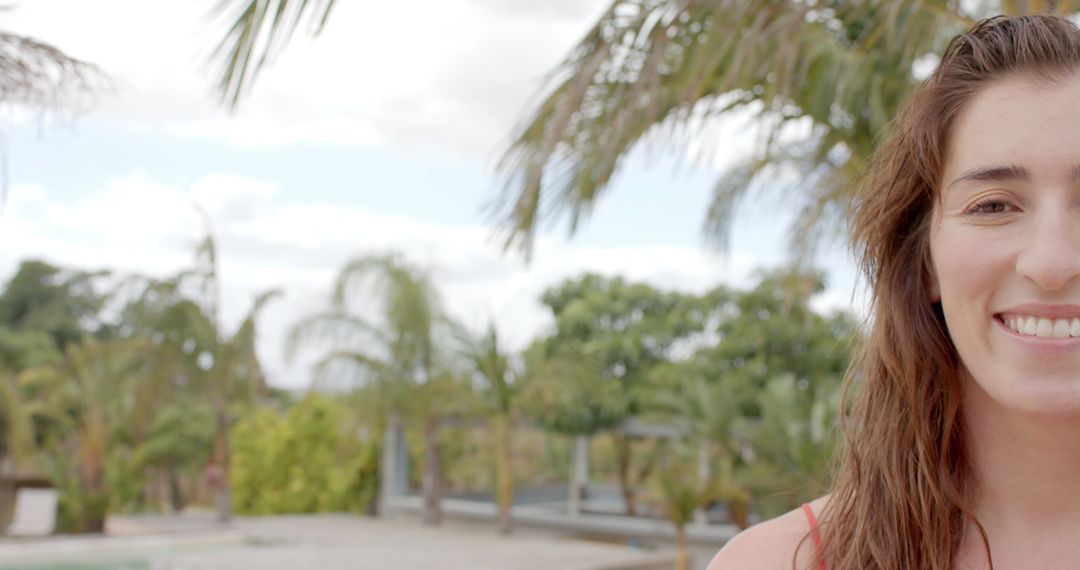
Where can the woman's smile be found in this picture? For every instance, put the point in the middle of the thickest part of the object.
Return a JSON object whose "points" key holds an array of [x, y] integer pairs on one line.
{"points": [[1045, 332]]}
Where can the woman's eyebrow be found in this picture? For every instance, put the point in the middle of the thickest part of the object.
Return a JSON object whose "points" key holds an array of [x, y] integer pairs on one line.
{"points": [[998, 173]]}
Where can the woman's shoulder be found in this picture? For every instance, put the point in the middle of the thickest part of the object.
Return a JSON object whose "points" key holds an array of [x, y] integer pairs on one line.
{"points": [[772, 544]]}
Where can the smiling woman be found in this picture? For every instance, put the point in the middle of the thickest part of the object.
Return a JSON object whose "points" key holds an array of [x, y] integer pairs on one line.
{"points": [[964, 432]]}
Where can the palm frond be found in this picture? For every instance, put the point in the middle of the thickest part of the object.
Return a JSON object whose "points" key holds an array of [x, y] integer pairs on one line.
{"points": [[257, 31], [663, 68], [38, 75], [334, 328]]}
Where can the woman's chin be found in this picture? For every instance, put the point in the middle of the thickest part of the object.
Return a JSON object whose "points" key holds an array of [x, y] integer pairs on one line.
{"points": [[1052, 396]]}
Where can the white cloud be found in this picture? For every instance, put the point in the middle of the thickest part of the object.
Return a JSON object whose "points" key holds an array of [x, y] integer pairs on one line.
{"points": [[135, 223], [452, 74]]}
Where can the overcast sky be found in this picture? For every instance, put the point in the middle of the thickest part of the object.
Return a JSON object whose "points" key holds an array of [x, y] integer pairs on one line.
{"points": [[382, 133]]}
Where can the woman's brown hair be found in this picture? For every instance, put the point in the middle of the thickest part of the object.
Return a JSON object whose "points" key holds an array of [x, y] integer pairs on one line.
{"points": [[902, 493]]}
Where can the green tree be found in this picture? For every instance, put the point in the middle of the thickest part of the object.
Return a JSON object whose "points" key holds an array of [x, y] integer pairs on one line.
{"points": [[687, 395], [764, 395], [772, 330], [44, 308], [195, 357], [628, 328], [179, 443], [396, 353]]}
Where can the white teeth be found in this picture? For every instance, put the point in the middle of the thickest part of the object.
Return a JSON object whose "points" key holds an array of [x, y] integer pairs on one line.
{"points": [[1028, 327], [1061, 329], [1043, 327]]}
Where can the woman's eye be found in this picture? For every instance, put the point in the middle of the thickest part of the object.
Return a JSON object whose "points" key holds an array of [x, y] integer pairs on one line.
{"points": [[991, 207]]}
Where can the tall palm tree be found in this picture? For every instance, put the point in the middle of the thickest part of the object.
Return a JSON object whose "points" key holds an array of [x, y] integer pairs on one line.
{"points": [[396, 352], [488, 361], [195, 357], [229, 361]]}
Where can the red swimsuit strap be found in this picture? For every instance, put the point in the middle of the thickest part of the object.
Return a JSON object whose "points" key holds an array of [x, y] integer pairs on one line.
{"points": [[814, 529]]}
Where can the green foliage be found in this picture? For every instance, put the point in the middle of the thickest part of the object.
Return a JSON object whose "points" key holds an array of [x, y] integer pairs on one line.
{"points": [[43, 309], [677, 486], [609, 334], [253, 471], [568, 394], [302, 462], [628, 326], [83, 397], [752, 376], [792, 441], [180, 434], [764, 396]]}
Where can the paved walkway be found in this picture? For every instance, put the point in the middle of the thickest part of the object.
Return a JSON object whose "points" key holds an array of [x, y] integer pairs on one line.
{"points": [[328, 542]]}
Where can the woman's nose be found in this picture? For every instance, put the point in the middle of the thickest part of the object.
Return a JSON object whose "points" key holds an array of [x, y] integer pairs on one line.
{"points": [[1050, 256]]}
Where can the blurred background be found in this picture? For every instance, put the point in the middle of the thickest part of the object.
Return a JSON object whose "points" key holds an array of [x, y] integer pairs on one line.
{"points": [[299, 283]]}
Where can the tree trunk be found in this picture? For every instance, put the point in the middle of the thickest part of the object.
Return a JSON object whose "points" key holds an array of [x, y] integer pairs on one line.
{"points": [[623, 458], [579, 474], [431, 481], [504, 480], [704, 473], [176, 494], [222, 493], [682, 561]]}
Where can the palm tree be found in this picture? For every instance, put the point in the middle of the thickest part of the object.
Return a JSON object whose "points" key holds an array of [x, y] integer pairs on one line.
{"points": [[193, 356], [396, 352], [230, 362], [491, 364], [680, 497], [19, 441], [793, 441], [707, 409], [84, 396], [667, 69]]}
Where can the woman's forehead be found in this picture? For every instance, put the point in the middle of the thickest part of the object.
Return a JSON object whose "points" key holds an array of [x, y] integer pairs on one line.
{"points": [[1023, 123]]}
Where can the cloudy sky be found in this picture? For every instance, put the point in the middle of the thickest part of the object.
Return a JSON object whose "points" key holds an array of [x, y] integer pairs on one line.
{"points": [[380, 134]]}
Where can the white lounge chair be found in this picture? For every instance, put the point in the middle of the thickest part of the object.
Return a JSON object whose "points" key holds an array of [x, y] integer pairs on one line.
{"points": [[35, 513]]}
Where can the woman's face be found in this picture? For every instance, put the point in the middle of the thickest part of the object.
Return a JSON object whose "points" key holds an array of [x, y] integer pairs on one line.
{"points": [[1005, 243]]}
